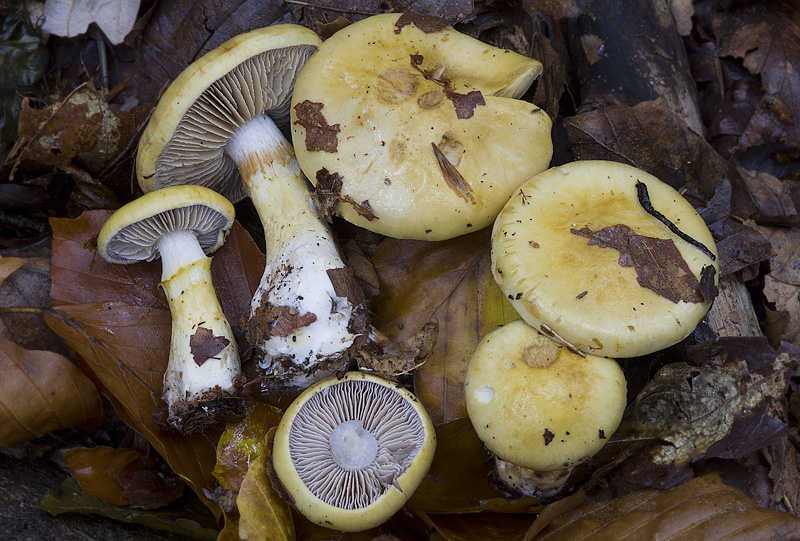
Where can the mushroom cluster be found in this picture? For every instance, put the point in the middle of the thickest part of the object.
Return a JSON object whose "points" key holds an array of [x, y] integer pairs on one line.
{"points": [[217, 125]]}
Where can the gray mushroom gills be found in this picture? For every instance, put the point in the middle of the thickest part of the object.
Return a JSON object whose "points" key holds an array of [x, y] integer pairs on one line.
{"points": [[350, 442]]}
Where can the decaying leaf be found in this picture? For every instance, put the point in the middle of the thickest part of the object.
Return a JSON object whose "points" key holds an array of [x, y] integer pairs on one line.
{"points": [[116, 318], [41, 391], [70, 18], [703, 508], [782, 284], [99, 469], [727, 405], [659, 265], [8, 265], [395, 359], [449, 282], [151, 489], [765, 36], [320, 136], [452, 177]]}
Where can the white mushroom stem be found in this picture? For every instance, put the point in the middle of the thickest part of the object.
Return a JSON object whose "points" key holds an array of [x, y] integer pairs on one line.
{"points": [[300, 250], [526, 482], [196, 313]]}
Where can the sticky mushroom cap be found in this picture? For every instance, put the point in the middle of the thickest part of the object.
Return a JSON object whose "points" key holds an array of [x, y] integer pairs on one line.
{"points": [[247, 76], [132, 233], [328, 491], [536, 404], [576, 252], [419, 124]]}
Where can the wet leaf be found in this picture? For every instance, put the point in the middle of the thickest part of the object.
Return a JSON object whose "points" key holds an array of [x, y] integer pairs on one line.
{"points": [[263, 513], [703, 508], [41, 391], [98, 470], [71, 499], [151, 489], [24, 61], [116, 318], [320, 136], [482, 526], [459, 479], [70, 18], [448, 282]]}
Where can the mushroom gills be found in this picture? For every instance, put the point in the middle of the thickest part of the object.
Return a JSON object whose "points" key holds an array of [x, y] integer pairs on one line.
{"points": [[347, 479]]}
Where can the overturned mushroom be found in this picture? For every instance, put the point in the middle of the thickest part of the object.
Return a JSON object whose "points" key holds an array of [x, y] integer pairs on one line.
{"points": [[410, 129], [181, 225], [351, 451], [606, 258], [540, 408], [216, 126]]}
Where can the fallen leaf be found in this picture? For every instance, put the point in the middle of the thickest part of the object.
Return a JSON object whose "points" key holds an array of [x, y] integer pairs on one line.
{"points": [[98, 470], [71, 499], [658, 262], [782, 284], [151, 489], [263, 514], [765, 36], [70, 18], [703, 508], [450, 283], [320, 136], [117, 320], [481, 526], [459, 480], [8, 265], [41, 391], [773, 199]]}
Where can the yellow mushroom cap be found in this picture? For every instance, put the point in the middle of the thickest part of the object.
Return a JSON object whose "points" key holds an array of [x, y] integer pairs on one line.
{"points": [[536, 404], [353, 487], [576, 253], [247, 76], [420, 124]]}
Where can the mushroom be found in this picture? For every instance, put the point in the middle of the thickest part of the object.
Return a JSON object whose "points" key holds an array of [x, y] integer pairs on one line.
{"points": [[216, 126], [539, 407], [605, 257], [349, 452], [181, 225], [414, 130]]}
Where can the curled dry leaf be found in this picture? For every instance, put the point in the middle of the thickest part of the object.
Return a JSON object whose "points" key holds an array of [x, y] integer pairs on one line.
{"points": [[448, 282], [70, 18], [41, 391], [116, 318], [703, 508], [98, 470]]}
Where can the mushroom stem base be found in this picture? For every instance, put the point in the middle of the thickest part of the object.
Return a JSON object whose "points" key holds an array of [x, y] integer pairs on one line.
{"points": [[526, 482]]}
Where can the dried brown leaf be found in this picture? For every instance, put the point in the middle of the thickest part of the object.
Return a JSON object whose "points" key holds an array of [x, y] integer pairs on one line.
{"points": [[8, 265], [448, 282], [782, 284], [766, 36], [151, 489], [320, 136], [41, 391], [703, 508]]}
